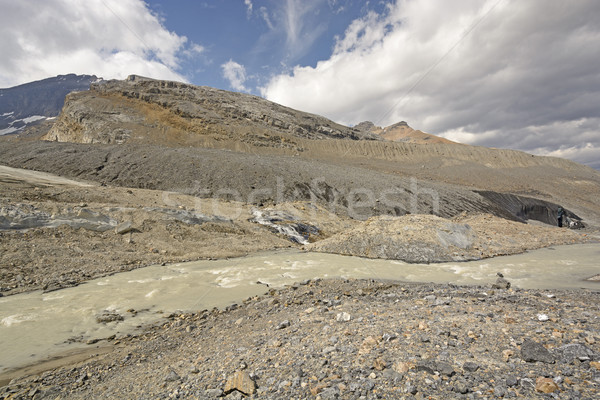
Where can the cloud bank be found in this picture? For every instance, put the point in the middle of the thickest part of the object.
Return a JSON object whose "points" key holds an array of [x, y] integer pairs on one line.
{"points": [[522, 75], [108, 38]]}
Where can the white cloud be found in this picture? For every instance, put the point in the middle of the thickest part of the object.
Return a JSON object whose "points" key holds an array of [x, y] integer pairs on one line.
{"points": [[109, 38], [193, 50], [248, 4], [294, 27], [300, 29], [265, 15], [496, 73], [236, 75]]}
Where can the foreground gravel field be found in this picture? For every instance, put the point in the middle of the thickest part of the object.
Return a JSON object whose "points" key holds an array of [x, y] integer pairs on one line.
{"points": [[353, 339]]}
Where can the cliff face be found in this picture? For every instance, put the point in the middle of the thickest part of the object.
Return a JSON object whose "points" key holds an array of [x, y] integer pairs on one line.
{"points": [[151, 110]]}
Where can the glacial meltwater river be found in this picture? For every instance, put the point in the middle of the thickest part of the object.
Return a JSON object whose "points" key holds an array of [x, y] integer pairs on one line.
{"points": [[35, 326]]}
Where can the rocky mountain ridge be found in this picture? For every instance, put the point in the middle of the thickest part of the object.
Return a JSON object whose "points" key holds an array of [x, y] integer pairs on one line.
{"points": [[140, 108]]}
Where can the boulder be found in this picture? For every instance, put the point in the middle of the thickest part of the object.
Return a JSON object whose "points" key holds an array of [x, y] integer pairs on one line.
{"points": [[532, 351], [241, 382], [569, 352]]}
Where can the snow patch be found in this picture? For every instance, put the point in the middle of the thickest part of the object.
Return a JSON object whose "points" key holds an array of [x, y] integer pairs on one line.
{"points": [[25, 121], [6, 131], [33, 118]]}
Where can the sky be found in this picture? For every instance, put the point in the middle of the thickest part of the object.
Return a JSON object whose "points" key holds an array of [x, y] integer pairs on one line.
{"points": [[512, 74]]}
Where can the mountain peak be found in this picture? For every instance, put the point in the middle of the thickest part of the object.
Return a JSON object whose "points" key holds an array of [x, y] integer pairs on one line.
{"points": [[400, 132], [34, 102]]}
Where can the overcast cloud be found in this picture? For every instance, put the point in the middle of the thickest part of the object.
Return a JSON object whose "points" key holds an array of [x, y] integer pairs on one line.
{"points": [[520, 74], [108, 38]]}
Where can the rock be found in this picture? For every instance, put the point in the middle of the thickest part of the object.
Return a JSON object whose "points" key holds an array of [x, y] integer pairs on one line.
{"points": [[445, 369], [108, 316], [595, 364], [470, 366], [389, 337], [511, 381], [507, 354], [574, 351], [402, 367], [330, 393], [427, 366], [391, 375], [460, 387], [235, 395], [283, 324], [542, 317], [315, 390], [213, 393], [412, 389], [172, 376], [343, 317], [545, 385], [532, 351], [367, 345], [588, 339], [241, 382], [124, 227], [501, 283], [379, 364], [500, 391], [52, 287], [527, 383]]}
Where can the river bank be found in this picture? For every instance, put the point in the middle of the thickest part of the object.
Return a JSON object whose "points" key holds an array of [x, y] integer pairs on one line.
{"points": [[78, 242], [353, 339], [98, 314], [58, 233]]}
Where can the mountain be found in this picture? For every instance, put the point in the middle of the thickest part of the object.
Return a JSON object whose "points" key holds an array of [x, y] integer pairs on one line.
{"points": [[207, 142], [401, 132], [34, 102], [140, 109]]}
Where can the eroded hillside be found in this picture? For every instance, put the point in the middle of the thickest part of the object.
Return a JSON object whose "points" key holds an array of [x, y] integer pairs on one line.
{"points": [[131, 124]]}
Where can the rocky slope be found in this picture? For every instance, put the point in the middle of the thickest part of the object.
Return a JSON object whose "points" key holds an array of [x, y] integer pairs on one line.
{"points": [[427, 238], [355, 191], [142, 111], [151, 110], [56, 233], [352, 340]]}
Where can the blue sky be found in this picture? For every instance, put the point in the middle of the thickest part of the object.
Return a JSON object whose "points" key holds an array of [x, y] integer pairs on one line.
{"points": [[266, 38], [499, 73]]}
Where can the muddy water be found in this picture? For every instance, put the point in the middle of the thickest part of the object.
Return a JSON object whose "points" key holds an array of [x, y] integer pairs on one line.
{"points": [[34, 326]]}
